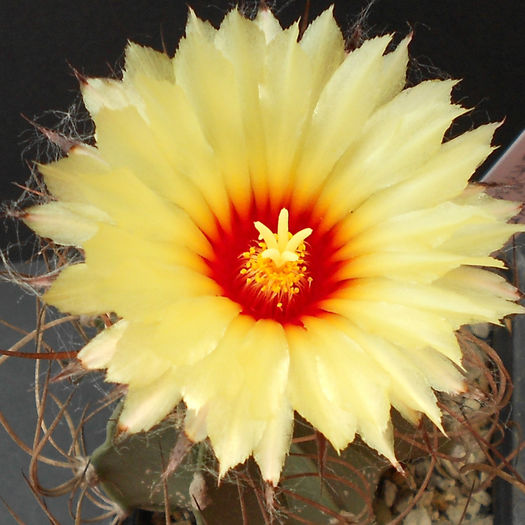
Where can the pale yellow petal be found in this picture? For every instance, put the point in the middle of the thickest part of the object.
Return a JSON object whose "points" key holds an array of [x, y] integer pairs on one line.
{"points": [[118, 193], [99, 351], [285, 97], [483, 287], [104, 283], [407, 412], [475, 196], [135, 361], [243, 44], [73, 292], [275, 442], [196, 178], [323, 43], [195, 425], [131, 249], [254, 360], [203, 383], [407, 131], [473, 281], [389, 80], [364, 394], [147, 405], [126, 141], [237, 427], [345, 103], [443, 177], [137, 276], [440, 372], [479, 239], [99, 93], [406, 376], [208, 80], [247, 394], [80, 160], [422, 229], [399, 324], [233, 434], [195, 27], [268, 24], [146, 61], [307, 395], [188, 330], [66, 223], [409, 266], [393, 72], [423, 297]]}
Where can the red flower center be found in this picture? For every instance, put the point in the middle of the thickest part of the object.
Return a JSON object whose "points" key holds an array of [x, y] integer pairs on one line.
{"points": [[277, 264]]}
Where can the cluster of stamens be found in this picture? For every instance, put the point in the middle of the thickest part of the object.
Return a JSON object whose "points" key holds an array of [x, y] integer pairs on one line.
{"points": [[275, 265]]}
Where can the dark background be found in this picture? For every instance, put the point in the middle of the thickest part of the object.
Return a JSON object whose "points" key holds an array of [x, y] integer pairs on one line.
{"points": [[479, 41]]}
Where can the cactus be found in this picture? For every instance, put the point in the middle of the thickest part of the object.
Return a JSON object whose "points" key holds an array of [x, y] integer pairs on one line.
{"points": [[130, 470]]}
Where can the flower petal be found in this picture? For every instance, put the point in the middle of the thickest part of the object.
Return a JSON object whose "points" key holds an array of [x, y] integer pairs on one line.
{"points": [[126, 141], [323, 43], [66, 223], [364, 395], [486, 288], [196, 184], [407, 379], [446, 303], [307, 394], [389, 134], [478, 239], [142, 60], [208, 80], [135, 361], [399, 324], [100, 350], [188, 330], [285, 99], [421, 229], [145, 406], [409, 266], [267, 23], [243, 44], [335, 126], [103, 284], [72, 292], [443, 177], [271, 451], [247, 395], [99, 93]]}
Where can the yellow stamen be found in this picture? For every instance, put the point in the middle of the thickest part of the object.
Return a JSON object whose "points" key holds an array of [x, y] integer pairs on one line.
{"points": [[276, 265]]}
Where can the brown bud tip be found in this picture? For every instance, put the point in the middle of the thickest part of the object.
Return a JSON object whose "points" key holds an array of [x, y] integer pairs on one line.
{"points": [[63, 142], [122, 432], [15, 214], [82, 79]]}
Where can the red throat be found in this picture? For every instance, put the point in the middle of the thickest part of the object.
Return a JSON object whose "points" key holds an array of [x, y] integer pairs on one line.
{"points": [[265, 290]]}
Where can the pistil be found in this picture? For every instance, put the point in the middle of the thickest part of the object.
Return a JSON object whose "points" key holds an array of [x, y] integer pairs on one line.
{"points": [[275, 267]]}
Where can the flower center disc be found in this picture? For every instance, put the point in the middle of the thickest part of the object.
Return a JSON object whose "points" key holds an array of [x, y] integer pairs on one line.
{"points": [[280, 275]]}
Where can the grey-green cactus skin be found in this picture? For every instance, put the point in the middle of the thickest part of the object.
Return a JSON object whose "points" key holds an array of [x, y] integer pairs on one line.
{"points": [[130, 471]]}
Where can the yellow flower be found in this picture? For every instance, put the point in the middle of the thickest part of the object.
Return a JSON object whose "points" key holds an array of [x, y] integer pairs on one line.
{"points": [[280, 227]]}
